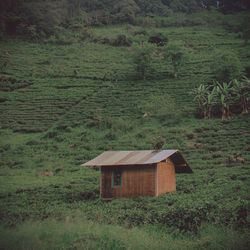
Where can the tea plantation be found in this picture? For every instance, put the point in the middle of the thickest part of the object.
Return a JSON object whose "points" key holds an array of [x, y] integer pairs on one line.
{"points": [[64, 102]]}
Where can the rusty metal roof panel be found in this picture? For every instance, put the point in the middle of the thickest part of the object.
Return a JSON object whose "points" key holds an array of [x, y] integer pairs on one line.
{"points": [[115, 157], [137, 157], [160, 156], [119, 158]]}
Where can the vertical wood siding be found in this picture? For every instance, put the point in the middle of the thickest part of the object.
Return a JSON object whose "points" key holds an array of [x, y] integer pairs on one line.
{"points": [[106, 182], [136, 181], [166, 177]]}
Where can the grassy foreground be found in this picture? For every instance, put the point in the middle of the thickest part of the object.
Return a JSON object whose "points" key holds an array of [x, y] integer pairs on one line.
{"points": [[63, 104], [81, 234]]}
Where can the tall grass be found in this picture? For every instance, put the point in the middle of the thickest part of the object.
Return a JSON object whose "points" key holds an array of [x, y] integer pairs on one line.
{"points": [[82, 234]]}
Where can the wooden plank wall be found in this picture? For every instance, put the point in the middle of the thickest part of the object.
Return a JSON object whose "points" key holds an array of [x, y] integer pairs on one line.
{"points": [[136, 181], [166, 177]]}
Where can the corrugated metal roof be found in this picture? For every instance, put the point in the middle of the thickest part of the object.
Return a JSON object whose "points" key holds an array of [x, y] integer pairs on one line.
{"points": [[141, 157]]}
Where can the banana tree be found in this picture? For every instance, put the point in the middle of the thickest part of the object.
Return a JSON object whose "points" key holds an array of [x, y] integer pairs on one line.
{"points": [[246, 90], [242, 91], [200, 94], [225, 97], [210, 101]]}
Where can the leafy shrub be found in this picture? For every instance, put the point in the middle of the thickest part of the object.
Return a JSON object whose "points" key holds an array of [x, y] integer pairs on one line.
{"points": [[10, 84], [85, 36], [105, 40], [110, 136], [16, 164], [32, 142], [51, 134], [59, 40], [141, 32], [64, 127], [32, 32], [159, 39], [64, 41], [90, 192], [240, 214], [59, 139], [5, 147], [176, 213], [122, 40], [234, 214], [158, 142]]}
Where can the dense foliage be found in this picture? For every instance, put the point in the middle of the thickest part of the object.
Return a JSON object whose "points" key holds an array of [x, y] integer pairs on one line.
{"points": [[40, 18], [225, 96]]}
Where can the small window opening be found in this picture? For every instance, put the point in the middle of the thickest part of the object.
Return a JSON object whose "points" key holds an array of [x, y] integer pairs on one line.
{"points": [[117, 178]]}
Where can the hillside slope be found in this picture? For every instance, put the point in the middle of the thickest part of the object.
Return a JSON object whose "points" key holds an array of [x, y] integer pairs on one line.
{"points": [[62, 105]]}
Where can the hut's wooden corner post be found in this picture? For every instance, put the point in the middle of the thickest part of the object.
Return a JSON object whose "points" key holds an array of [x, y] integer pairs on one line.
{"points": [[101, 182], [156, 179]]}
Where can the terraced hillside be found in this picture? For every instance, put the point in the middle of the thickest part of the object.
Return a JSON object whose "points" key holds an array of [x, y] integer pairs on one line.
{"points": [[61, 105]]}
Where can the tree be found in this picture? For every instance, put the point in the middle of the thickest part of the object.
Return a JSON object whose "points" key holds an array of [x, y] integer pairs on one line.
{"points": [[233, 5], [152, 6], [206, 99], [242, 91], [32, 18], [210, 102], [246, 35], [200, 96], [176, 56], [187, 6], [10, 15], [143, 59], [226, 66], [224, 92], [125, 11], [225, 95], [209, 3], [245, 27]]}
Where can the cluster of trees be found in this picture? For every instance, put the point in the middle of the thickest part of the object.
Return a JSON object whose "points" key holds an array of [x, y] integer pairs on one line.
{"points": [[44, 17], [223, 96], [226, 94], [32, 18], [144, 55]]}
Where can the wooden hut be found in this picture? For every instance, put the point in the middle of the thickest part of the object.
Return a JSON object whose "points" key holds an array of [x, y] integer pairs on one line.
{"points": [[138, 173]]}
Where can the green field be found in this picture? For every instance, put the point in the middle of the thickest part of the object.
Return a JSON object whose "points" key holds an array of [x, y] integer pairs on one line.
{"points": [[87, 93]]}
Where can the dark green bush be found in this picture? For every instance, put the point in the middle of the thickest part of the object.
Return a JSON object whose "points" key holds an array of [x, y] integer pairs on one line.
{"points": [[122, 40], [159, 39], [5, 147], [64, 127], [32, 142], [110, 136], [51, 134], [141, 32], [226, 66]]}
